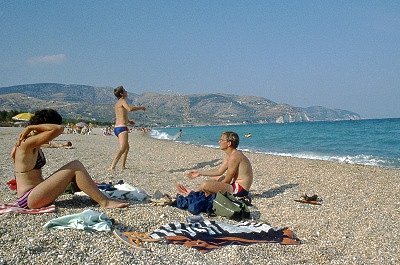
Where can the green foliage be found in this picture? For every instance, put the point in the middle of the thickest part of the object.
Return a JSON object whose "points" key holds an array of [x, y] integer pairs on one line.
{"points": [[6, 116]]}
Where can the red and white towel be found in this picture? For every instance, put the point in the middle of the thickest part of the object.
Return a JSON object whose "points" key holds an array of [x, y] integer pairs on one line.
{"points": [[13, 208]]}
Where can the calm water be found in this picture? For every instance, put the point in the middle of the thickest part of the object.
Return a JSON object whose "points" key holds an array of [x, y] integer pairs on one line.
{"points": [[369, 142]]}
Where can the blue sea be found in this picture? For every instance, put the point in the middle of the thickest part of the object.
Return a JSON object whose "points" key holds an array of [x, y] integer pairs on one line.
{"points": [[373, 142]]}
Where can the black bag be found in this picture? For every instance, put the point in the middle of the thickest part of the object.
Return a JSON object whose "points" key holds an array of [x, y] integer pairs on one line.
{"points": [[227, 205]]}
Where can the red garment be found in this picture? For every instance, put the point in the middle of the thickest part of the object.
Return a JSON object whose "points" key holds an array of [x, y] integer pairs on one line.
{"points": [[12, 184]]}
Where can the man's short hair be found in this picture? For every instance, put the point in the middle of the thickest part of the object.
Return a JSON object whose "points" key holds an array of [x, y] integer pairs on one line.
{"points": [[233, 138], [118, 91]]}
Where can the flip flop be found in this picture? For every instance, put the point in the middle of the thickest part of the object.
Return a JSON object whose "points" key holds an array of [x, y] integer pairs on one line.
{"points": [[163, 201], [246, 199], [134, 239], [314, 199]]}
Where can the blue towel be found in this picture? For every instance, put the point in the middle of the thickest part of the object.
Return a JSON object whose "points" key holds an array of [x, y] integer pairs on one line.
{"points": [[196, 202]]}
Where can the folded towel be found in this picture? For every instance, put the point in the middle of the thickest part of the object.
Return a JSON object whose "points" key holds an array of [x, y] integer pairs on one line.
{"points": [[86, 220]]}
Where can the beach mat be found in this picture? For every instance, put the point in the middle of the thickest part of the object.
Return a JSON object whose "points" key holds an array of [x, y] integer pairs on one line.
{"points": [[208, 235]]}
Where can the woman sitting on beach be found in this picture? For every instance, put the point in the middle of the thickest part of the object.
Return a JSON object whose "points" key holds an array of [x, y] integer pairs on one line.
{"points": [[33, 190]]}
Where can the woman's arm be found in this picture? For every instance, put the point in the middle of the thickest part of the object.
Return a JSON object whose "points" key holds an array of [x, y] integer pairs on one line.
{"points": [[35, 135], [232, 169]]}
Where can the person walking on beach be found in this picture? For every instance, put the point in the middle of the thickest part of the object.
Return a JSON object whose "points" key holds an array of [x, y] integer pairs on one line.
{"points": [[32, 189], [121, 125], [235, 165]]}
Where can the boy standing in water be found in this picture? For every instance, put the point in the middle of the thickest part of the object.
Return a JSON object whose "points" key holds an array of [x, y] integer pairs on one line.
{"points": [[121, 125]]}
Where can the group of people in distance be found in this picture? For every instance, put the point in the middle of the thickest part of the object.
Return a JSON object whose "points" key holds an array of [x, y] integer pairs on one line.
{"points": [[234, 175]]}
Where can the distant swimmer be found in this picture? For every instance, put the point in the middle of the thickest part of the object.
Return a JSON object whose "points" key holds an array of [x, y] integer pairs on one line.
{"points": [[248, 135], [178, 135]]}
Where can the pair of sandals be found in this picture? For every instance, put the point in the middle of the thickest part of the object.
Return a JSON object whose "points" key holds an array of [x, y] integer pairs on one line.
{"points": [[134, 239], [160, 199], [314, 199]]}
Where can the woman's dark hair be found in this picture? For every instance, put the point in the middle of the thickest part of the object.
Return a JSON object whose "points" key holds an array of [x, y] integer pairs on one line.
{"points": [[46, 116]]}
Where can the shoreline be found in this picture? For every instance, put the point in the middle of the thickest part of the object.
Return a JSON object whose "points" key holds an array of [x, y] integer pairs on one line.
{"points": [[357, 222], [365, 160]]}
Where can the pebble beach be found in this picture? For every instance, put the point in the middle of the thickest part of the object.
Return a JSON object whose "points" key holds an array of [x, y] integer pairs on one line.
{"points": [[357, 223]]}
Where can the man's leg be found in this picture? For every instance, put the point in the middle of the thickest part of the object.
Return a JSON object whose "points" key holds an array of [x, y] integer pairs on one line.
{"points": [[212, 186], [122, 146], [125, 154]]}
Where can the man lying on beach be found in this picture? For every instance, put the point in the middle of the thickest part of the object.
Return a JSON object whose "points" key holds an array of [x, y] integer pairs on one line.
{"points": [[236, 166], [34, 191], [66, 145]]}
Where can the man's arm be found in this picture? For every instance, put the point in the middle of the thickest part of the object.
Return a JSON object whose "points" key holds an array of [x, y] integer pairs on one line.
{"points": [[135, 108], [128, 107], [233, 168], [213, 172], [131, 107]]}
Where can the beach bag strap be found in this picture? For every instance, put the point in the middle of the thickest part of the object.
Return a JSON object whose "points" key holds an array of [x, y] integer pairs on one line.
{"points": [[227, 205]]}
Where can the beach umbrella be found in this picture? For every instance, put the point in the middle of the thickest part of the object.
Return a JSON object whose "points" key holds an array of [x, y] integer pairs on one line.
{"points": [[25, 116], [81, 124]]}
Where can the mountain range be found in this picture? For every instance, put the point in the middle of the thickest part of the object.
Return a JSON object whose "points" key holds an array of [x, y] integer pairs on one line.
{"points": [[91, 103]]}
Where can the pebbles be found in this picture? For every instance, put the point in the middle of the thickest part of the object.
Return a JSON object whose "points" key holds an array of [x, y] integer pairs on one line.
{"points": [[357, 223]]}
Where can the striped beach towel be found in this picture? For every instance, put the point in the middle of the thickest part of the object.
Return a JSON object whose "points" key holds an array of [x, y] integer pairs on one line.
{"points": [[208, 235], [13, 208]]}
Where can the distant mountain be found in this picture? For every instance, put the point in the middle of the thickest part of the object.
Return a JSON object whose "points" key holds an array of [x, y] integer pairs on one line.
{"points": [[96, 103]]}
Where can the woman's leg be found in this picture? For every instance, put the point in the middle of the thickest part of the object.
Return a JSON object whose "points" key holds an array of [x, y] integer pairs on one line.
{"points": [[123, 144], [48, 191]]}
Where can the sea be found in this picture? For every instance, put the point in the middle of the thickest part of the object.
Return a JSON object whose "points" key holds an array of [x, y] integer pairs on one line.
{"points": [[374, 142]]}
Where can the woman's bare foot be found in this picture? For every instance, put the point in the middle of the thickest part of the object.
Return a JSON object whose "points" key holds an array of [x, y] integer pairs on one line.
{"points": [[114, 204]]}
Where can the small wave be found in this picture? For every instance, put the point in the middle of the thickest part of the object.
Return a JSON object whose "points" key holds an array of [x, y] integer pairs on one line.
{"points": [[161, 135], [362, 159], [357, 159]]}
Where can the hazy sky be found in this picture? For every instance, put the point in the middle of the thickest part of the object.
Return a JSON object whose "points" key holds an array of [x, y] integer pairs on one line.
{"points": [[337, 54]]}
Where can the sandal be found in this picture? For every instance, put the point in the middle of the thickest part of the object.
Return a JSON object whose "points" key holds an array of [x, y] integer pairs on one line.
{"points": [[134, 239], [314, 199]]}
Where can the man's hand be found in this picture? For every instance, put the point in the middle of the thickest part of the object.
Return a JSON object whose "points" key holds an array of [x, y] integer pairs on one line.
{"points": [[193, 174]]}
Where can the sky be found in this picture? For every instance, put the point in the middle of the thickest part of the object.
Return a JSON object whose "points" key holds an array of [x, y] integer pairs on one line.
{"points": [[336, 54]]}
